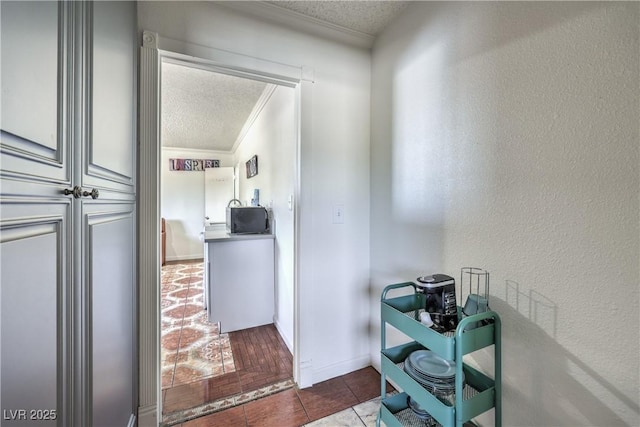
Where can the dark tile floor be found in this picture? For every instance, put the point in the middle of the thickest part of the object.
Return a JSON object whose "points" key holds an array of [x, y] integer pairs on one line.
{"points": [[261, 359], [295, 407]]}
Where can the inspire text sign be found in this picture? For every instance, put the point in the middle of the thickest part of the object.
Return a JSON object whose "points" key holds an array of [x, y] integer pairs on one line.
{"points": [[192, 164]]}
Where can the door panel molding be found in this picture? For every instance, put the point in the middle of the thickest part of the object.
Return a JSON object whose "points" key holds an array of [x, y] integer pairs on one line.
{"points": [[24, 94], [44, 161], [105, 216], [31, 150], [95, 174], [44, 238], [110, 116], [111, 336], [28, 227]]}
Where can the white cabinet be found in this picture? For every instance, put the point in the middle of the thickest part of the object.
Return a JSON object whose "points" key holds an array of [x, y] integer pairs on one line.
{"points": [[205, 278], [241, 282], [68, 277]]}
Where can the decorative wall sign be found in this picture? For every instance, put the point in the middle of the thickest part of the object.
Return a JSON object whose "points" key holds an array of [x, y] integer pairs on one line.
{"points": [[192, 164], [252, 166]]}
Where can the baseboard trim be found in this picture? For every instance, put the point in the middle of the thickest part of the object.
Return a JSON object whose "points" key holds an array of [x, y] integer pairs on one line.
{"points": [[284, 336], [341, 368], [185, 258]]}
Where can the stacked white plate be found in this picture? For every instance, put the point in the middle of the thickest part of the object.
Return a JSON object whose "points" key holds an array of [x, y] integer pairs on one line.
{"points": [[434, 373], [420, 413]]}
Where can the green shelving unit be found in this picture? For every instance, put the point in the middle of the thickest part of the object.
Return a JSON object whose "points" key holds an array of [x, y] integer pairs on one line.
{"points": [[478, 395]]}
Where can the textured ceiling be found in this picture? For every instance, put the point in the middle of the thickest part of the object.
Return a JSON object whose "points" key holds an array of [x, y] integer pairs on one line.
{"points": [[207, 110], [204, 110], [369, 17]]}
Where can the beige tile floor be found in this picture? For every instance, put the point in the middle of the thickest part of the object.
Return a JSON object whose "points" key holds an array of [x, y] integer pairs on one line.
{"points": [[362, 415]]}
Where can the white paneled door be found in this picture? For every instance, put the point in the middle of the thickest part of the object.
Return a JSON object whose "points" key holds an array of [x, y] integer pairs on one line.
{"points": [[68, 351], [218, 192]]}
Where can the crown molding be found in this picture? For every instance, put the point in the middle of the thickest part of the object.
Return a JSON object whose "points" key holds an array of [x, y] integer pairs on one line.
{"points": [[257, 109], [195, 151], [303, 23]]}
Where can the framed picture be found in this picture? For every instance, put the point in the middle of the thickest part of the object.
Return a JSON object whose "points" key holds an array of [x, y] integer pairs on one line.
{"points": [[252, 166]]}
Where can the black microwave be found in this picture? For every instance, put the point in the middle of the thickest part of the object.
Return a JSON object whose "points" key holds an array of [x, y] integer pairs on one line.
{"points": [[247, 220]]}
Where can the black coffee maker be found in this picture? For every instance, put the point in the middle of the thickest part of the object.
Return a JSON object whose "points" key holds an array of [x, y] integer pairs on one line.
{"points": [[440, 296]]}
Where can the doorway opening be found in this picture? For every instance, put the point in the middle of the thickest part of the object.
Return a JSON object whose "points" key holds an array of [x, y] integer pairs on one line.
{"points": [[204, 367]]}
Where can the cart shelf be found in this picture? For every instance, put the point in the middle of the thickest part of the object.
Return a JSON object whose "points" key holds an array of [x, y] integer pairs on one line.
{"points": [[479, 394]]}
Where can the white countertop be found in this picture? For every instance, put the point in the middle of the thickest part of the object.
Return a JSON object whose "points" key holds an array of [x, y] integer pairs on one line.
{"points": [[222, 235]]}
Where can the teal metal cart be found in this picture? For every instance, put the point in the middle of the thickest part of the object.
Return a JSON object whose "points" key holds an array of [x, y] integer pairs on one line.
{"points": [[478, 395]]}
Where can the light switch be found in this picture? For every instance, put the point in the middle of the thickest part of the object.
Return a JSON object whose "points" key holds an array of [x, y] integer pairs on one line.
{"points": [[290, 202], [338, 214]]}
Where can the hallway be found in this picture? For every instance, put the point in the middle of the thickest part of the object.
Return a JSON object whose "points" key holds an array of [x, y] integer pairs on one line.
{"points": [[204, 369]]}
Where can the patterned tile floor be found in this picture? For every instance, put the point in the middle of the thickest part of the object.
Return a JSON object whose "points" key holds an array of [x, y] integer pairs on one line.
{"points": [[192, 349]]}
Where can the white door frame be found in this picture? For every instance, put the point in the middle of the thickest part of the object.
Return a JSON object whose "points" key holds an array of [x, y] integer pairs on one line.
{"points": [[154, 50]]}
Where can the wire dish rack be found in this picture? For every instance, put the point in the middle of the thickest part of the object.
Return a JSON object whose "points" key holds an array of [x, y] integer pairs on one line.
{"points": [[477, 395]]}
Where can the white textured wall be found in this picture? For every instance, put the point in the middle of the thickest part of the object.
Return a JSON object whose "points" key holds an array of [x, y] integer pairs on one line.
{"points": [[272, 137], [506, 136], [334, 258], [182, 202]]}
